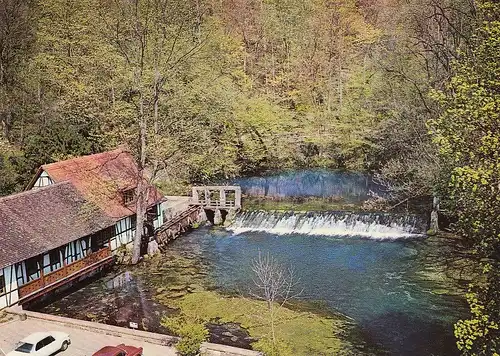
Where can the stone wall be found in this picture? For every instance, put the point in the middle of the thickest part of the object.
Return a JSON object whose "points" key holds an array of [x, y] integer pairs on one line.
{"points": [[209, 349]]}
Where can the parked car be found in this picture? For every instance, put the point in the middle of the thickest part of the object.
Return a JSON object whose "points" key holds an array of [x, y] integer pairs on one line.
{"points": [[119, 350], [42, 344]]}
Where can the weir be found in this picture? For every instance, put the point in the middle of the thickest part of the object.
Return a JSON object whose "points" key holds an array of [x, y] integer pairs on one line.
{"points": [[340, 223]]}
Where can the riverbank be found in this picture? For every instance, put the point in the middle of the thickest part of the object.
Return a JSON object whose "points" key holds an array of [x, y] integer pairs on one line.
{"points": [[298, 204]]}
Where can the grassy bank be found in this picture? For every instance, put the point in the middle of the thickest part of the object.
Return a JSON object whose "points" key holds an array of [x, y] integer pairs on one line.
{"points": [[298, 204], [180, 283], [5, 317], [303, 333]]}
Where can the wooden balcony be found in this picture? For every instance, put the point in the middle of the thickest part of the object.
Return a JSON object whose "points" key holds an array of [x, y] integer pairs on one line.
{"points": [[65, 274]]}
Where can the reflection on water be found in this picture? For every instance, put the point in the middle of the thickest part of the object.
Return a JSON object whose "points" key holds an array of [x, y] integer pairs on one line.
{"points": [[117, 299], [119, 281], [350, 186]]}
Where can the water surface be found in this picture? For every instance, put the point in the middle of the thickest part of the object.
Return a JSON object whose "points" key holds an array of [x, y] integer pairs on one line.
{"points": [[383, 285], [350, 186], [377, 283]]}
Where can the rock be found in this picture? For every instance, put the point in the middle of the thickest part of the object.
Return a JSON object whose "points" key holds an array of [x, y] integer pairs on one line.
{"points": [[202, 216], [217, 217], [153, 248], [176, 295], [231, 214]]}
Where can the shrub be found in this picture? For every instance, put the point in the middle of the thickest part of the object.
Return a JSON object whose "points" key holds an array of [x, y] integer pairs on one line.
{"points": [[192, 333], [278, 348]]}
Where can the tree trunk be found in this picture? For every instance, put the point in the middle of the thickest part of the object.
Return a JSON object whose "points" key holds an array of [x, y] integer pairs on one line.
{"points": [[434, 225], [273, 332], [142, 188], [140, 214]]}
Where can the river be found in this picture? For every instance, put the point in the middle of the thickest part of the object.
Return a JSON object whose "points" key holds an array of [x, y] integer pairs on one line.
{"points": [[379, 270]]}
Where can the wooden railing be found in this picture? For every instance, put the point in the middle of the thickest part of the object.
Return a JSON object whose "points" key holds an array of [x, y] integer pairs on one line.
{"points": [[188, 214], [217, 197], [55, 278], [217, 203]]}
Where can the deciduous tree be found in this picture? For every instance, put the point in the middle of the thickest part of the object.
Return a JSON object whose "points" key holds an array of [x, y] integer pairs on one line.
{"points": [[468, 134]]}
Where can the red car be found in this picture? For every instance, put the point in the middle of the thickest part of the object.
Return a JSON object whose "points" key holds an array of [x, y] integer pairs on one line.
{"points": [[119, 350]]}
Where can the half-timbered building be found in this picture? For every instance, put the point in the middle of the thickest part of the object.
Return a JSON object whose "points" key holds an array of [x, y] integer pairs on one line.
{"points": [[67, 224]]}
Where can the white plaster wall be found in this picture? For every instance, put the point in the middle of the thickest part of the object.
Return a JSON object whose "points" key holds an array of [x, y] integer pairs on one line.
{"points": [[85, 244], [46, 262], [43, 180], [159, 221], [124, 233], [11, 296], [71, 249]]}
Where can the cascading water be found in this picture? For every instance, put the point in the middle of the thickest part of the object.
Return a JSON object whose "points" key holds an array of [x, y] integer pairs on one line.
{"points": [[371, 225]]}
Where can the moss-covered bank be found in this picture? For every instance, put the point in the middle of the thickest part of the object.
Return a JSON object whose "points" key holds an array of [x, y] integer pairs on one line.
{"points": [[180, 283], [299, 204], [305, 333]]}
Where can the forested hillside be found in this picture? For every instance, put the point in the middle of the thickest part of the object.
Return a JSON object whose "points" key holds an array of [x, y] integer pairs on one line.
{"points": [[206, 89], [229, 87]]}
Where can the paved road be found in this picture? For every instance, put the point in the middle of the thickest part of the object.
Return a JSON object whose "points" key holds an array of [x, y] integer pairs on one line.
{"points": [[83, 342]]}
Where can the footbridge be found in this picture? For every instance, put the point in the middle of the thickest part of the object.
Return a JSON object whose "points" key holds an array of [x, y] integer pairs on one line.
{"points": [[213, 203], [218, 203], [217, 197]]}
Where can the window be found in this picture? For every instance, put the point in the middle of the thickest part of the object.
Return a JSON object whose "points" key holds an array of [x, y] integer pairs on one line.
{"points": [[152, 213], [20, 274], [24, 347], [44, 342], [101, 238], [32, 267], [84, 245], [128, 196], [62, 251], [2, 284], [133, 221], [55, 259]]}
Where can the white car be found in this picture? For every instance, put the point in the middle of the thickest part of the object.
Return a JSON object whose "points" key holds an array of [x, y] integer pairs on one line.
{"points": [[42, 344]]}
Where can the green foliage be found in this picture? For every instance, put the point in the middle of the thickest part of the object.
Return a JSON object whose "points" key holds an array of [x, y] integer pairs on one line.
{"points": [[191, 331], [468, 136], [8, 173], [304, 332], [480, 335], [270, 348], [227, 89]]}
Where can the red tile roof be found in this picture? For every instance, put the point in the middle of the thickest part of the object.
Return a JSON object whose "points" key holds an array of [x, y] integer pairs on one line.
{"points": [[101, 178], [36, 221]]}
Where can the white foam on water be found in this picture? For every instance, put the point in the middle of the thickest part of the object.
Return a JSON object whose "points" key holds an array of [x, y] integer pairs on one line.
{"points": [[379, 226]]}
